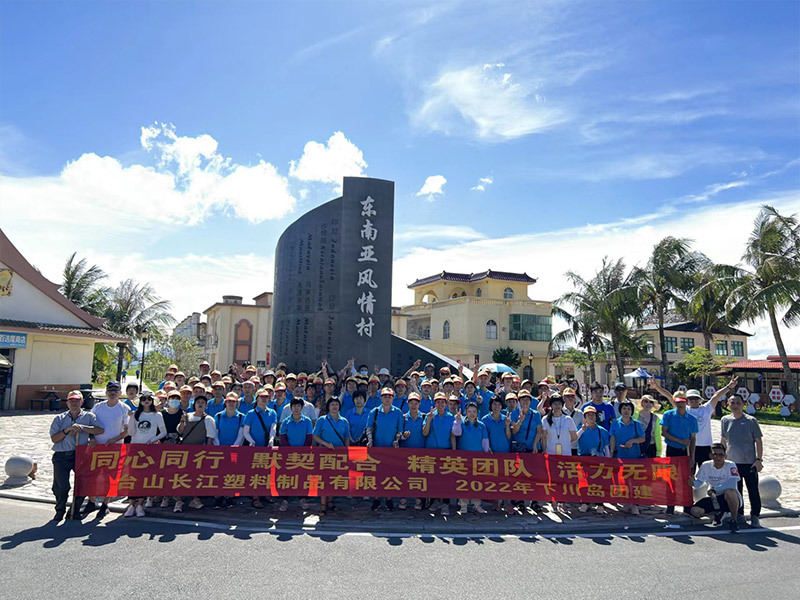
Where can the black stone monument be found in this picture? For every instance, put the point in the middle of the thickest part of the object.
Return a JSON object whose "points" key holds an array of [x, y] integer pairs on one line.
{"points": [[333, 281]]}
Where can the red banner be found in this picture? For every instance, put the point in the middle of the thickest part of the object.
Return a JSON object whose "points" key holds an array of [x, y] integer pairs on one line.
{"points": [[170, 470]]}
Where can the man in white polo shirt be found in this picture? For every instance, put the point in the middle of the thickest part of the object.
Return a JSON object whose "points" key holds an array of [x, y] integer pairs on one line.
{"points": [[112, 415]]}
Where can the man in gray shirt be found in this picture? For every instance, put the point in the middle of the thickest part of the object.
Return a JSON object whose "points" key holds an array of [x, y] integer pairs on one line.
{"points": [[69, 429], [741, 436]]}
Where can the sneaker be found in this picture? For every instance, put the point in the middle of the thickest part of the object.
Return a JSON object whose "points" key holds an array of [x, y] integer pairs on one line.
{"points": [[178, 506], [196, 503], [463, 506], [139, 510], [479, 509], [376, 504], [435, 505], [164, 502], [304, 504], [740, 520], [131, 510], [219, 503], [717, 520], [148, 503], [284, 505], [670, 510], [734, 525], [389, 504], [601, 510], [90, 508], [755, 522], [445, 509], [58, 516], [418, 504], [102, 511], [583, 507], [403, 504], [634, 510], [536, 507]]}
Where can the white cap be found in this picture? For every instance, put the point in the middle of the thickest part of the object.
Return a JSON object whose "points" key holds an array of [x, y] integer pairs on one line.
{"points": [[384, 371]]}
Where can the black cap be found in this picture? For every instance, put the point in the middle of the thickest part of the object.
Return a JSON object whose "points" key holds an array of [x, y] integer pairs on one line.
{"points": [[113, 385]]}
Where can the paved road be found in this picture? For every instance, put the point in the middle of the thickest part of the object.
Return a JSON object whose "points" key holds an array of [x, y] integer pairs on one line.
{"points": [[151, 558]]}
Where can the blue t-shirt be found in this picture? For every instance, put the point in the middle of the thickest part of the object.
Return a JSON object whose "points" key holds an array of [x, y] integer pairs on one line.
{"points": [[527, 432], [358, 422], [213, 407], [332, 431], [256, 430], [273, 404], [385, 425], [605, 413], [622, 433], [680, 426], [245, 406], [425, 405], [372, 402], [593, 441], [228, 427], [463, 401], [347, 403], [127, 402], [439, 433], [401, 402], [414, 426], [498, 441], [472, 436], [296, 431], [485, 408]]}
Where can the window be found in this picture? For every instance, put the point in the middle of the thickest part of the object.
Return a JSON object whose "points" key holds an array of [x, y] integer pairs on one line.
{"points": [[527, 372], [426, 333], [491, 330], [508, 294], [671, 344], [687, 344], [479, 292], [721, 348], [454, 295], [532, 328], [446, 330], [737, 348], [242, 341]]}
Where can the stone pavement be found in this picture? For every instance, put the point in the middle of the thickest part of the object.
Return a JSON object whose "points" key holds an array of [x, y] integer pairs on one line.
{"points": [[26, 433]]}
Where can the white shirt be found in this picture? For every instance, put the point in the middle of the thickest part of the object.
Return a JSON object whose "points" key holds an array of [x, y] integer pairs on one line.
{"points": [[308, 410], [113, 420], [577, 416], [722, 479], [558, 434], [703, 415], [149, 427]]}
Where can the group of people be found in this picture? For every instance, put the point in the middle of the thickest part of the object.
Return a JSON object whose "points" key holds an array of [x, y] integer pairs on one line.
{"points": [[487, 412]]}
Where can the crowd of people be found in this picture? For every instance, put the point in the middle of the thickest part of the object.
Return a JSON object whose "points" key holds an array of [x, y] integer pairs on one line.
{"points": [[356, 406]]}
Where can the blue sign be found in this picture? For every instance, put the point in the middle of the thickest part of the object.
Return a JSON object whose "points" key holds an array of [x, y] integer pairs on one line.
{"points": [[11, 339]]}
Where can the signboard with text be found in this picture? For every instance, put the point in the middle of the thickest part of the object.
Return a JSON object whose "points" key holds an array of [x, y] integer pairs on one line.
{"points": [[13, 339], [166, 470]]}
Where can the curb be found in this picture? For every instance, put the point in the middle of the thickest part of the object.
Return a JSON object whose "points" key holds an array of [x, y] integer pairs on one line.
{"points": [[409, 528]]}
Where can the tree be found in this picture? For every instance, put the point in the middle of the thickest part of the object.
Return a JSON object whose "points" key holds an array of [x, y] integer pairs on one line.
{"points": [[771, 284], [582, 331], [610, 301], [507, 356], [175, 349], [698, 363], [668, 272], [81, 285]]}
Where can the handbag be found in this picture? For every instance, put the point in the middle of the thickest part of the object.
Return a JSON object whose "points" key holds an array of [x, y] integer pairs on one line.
{"points": [[517, 446]]}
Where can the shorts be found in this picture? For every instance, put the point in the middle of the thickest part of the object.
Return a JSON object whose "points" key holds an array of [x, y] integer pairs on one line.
{"points": [[707, 504]]}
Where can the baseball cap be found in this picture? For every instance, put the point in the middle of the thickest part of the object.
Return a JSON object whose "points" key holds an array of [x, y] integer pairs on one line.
{"points": [[173, 394], [232, 396], [387, 391], [568, 392], [400, 382], [426, 382], [413, 396], [440, 396], [590, 409], [280, 387], [218, 384], [374, 379], [111, 385], [330, 381], [76, 395], [620, 386], [679, 397], [543, 382], [291, 376], [523, 394]]}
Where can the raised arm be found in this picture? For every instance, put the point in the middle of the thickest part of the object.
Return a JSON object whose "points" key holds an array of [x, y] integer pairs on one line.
{"points": [[654, 385], [722, 391]]}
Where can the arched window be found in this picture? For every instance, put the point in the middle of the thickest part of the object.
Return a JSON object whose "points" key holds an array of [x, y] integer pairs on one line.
{"points": [[242, 341], [427, 333], [454, 295], [508, 294], [463, 294], [527, 372], [491, 330], [479, 292], [446, 330]]}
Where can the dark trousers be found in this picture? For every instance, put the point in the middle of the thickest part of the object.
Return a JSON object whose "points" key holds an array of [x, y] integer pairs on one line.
{"points": [[701, 454], [749, 476], [672, 451], [63, 463]]}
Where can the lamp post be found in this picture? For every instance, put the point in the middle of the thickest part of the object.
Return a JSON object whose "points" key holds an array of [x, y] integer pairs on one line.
{"points": [[530, 364], [141, 367]]}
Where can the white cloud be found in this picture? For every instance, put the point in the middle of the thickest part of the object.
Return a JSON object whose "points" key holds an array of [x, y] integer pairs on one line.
{"points": [[189, 182], [482, 183], [433, 186], [485, 102], [329, 162], [433, 234], [582, 249]]}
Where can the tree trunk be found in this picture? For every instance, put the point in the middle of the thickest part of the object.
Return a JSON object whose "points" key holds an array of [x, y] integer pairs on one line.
{"points": [[787, 372], [617, 358], [590, 355], [707, 343], [120, 357], [663, 347]]}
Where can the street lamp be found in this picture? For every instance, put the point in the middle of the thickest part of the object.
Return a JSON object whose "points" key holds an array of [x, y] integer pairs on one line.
{"points": [[530, 364], [141, 367]]}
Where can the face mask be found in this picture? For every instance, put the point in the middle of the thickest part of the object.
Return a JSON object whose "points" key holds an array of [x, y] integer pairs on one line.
{"points": [[175, 403], [364, 372]]}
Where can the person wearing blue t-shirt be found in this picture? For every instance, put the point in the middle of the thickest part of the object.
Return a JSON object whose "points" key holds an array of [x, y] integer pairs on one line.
{"points": [[593, 440], [526, 431], [373, 393], [412, 437], [426, 401], [400, 397], [296, 431], [471, 436], [384, 430], [626, 435], [498, 426], [484, 392], [357, 417], [230, 432], [248, 400], [346, 397], [438, 432], [605, 412], [331, 431], [217, 402], [679, 429], [280, 400], [470, 394]]}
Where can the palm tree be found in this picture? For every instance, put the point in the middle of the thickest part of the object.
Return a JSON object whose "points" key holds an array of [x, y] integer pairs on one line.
{"points": [[609, 301], [771, 285], [668, 272], [582, 329], [132, 309], [81, 285]]}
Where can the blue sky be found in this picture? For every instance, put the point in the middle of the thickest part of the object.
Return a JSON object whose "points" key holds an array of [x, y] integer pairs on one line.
{"points": [[174, 141]]}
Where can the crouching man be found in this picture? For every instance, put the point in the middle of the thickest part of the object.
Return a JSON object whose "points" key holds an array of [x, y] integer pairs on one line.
{"points": [[722, 477]]}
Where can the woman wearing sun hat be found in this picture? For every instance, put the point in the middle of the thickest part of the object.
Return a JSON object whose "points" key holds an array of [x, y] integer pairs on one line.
{"points": [[645, 414]]}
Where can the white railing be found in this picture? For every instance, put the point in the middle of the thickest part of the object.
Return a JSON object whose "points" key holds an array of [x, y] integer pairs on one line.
{"points": [[475, 300]]}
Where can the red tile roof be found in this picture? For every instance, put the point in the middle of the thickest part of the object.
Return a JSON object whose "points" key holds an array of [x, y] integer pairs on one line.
{"points": [[472, 277], [763, 365]]}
